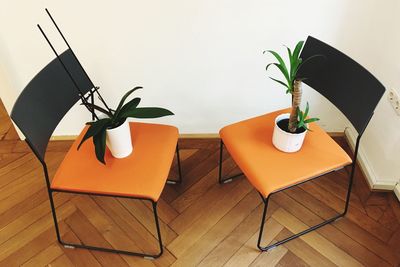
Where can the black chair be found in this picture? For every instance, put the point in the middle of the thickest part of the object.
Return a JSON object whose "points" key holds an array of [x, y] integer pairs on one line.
{"points": [[347, 85], [39, 109]]}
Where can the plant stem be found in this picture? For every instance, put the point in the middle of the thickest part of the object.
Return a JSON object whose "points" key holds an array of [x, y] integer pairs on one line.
{"points": [[296, 101]]}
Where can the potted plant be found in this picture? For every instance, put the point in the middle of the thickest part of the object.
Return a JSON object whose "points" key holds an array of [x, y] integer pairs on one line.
{"points": [[290, 128], [112, 128]]}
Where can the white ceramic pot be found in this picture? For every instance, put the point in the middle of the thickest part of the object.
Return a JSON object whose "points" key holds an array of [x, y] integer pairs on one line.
{"points": [[284, 141], [119, 140]]}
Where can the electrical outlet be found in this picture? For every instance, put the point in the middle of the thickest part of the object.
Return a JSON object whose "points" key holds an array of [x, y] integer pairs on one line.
{"points": [[394, 100]]}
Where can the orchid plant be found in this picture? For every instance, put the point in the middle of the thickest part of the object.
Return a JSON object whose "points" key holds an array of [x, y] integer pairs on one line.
{"points": [[114, 118]]}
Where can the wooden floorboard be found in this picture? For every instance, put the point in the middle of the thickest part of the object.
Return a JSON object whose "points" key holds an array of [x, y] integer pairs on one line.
{"points": [[202, 222]]}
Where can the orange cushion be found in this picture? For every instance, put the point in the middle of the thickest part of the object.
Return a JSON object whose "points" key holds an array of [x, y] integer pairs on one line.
{"points": [[142, 174], [250, 144]]}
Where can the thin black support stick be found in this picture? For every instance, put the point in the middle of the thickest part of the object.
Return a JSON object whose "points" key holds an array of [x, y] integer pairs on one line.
{"points": [[66, 42], [92, 100], [69, 74]]}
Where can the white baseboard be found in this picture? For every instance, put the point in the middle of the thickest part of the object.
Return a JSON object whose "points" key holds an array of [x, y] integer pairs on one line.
{"points": [[366, 167], [186, 136], [397, 191]]}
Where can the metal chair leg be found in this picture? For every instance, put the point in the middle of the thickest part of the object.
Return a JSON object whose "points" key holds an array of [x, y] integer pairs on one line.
{"points": [[227, 179], [262, 225], [158, 230], [266, 200], [131, 253], [353, 168], [53, 212], [178, 158]]}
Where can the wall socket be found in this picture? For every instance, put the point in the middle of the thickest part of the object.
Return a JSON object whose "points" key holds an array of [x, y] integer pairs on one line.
{"points": [[394, 100]]}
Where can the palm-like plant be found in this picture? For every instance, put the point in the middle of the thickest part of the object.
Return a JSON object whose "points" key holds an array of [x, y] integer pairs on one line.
{"points": [[297, 118], [114, 118]]}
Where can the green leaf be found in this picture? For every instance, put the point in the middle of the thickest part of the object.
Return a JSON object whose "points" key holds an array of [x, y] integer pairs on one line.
{"points": [[290, 59], [131, 105], [278, 81], [284, 72], [148, 113], [99, 141], [311, 120], [121, 103], [102, 110], [282, 66], [307, 109], [94, 129], [266, 68], [299, 114], [294, 67], [289, 52], [297, 49], [293, 63], [296, 61]]}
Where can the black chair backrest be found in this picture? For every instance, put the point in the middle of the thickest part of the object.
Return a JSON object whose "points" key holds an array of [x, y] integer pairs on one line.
{"points": [[47, 98], [344, 82]]}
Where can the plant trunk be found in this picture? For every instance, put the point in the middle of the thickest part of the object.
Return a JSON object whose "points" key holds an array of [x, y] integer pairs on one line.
{"points": [[296, 101]]}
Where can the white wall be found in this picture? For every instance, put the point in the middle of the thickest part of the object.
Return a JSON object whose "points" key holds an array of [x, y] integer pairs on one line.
{"points": [[201, 59], [381, 142]]}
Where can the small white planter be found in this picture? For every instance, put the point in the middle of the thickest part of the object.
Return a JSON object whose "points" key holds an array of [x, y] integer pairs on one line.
{"points": [[284, 141], [119, 140]]}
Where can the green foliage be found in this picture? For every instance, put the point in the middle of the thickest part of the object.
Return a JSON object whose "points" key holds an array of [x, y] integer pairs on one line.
{"points": [[290, 73], [302, 119], [97, 129]]}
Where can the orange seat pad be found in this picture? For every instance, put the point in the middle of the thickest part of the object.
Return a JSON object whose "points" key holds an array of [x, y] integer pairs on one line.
{"points": [[250, 144], [142, 174]]}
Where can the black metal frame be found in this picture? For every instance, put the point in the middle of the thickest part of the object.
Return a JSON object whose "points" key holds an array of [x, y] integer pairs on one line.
{"points": [[266, 199], [74, 245], [85, 99], [230, 178]]}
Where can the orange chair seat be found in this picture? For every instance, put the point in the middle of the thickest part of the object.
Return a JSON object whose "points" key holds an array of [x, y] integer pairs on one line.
{"points": [[250, 144], [142, 174]]}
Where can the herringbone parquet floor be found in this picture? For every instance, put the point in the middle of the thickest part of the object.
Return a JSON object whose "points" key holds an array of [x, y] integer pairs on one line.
{"points": [[202, 222]]}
